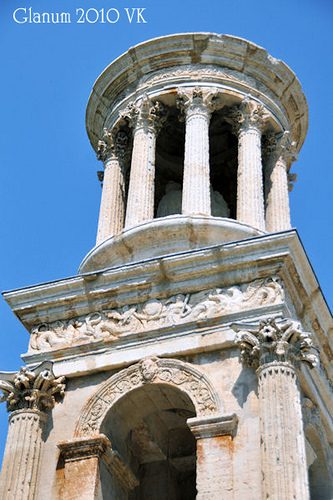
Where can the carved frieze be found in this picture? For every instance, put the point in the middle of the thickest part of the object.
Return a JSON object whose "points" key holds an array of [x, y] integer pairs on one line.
{"points": [[149, 371], [31, 389], [110, 324], [275, 341]]}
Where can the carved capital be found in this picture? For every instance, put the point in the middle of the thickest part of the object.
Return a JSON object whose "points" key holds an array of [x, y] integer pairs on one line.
{"points": [[271, 342], [279, 146], [31, 389], [196, 100], [146, 114], [113, 146], [248, 114]]}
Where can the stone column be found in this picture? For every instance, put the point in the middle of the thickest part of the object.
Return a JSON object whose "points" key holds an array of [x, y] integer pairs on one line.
{"points": [[214, 455], [275, 349], [146, 118], [279, 153], [247, 121], [197, 105], [30, 395], [112, 151]]}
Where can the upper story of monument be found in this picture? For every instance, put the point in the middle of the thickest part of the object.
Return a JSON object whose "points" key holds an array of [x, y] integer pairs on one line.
{"points": [[197, 133]]}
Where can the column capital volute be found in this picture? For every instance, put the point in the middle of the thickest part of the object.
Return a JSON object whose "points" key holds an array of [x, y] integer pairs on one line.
{"points": [[279, 146], [114, 145], [192, 100], [248, 114], [144, 113], [31, 389], [271, 342]]}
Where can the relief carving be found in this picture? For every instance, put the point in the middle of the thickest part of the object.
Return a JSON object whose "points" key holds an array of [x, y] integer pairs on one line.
{"points": [[148, 371], [109, 324]]}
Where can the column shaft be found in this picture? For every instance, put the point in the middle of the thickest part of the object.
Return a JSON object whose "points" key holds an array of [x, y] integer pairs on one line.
{"points": [[140, 202], [284, 469], [20, 467], [250, 196], [112, 209], [196, 185], [277, 197]]}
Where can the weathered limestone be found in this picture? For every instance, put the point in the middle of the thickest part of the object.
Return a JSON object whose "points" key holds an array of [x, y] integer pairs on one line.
{"points": [[247, 121], [29, 395], [112, 151], [196, 104], [274, 349], [146, 118]]}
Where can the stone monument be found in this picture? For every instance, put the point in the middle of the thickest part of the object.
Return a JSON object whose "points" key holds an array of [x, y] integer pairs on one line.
{"points": [[190, 357]]}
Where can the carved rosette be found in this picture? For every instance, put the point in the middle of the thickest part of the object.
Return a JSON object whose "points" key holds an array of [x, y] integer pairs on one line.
{"points": [[34, 390], [274, 342], [149, 371], [196, 100], [145, 113]]}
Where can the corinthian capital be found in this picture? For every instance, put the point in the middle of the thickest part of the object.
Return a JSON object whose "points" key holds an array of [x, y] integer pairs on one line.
{"points": [[145, 113], [271, 341], [277, 146], [113, 145], [196, 100], [248, 114], [31, 389]]}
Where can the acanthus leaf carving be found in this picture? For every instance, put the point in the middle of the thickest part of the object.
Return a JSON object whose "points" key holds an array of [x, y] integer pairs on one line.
{"points": [[274, 341], [109, 324], [33, 389]]}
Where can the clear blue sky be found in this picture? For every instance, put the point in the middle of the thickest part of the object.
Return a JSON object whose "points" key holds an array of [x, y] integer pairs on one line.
{"points": [[49, 190]]}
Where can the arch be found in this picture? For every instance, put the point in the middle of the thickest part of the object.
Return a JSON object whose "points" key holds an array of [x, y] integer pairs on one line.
{"points": [[148, 371]]}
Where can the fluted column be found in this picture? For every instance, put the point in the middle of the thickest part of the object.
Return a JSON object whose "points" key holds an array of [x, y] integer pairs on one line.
{"points": [[197, 105], [112, 151], [146, 118], [30, 396], [279, 153], [275, 349], [247, 121]]}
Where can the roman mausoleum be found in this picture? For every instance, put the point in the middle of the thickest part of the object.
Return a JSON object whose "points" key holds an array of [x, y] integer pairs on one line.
{"points": [[190, 356]]}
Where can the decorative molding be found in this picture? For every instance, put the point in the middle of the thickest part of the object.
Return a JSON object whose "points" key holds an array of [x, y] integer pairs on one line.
{"points": [[145, 113], [149, 371], [82, 448], [275, 342], [107, 325], [220, 425], [28, 389]]}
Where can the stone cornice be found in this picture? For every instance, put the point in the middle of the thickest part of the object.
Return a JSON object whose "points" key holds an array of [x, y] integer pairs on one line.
{"points": [[203, 49], [218, 425]]}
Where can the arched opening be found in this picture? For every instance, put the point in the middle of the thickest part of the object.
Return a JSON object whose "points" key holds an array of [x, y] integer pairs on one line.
{"points": [[147, 427]]}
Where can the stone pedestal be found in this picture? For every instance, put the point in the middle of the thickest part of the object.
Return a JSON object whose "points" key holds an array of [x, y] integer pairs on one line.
{"points": [[197, 105], [146, 118], [112, 152]]}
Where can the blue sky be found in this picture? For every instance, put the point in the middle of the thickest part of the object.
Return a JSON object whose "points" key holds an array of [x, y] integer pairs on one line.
{"points": [[50, 194]]}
